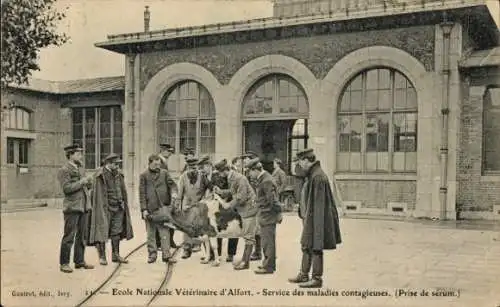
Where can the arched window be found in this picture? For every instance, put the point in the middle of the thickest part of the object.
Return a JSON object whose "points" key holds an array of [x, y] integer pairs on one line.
{"points": [[187, 118], [276, 96], [377, 123], [19, 118], [491, 131]]}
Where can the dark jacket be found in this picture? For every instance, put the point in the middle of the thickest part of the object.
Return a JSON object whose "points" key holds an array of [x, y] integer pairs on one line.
{"points": [[267, 200], [99, 223], [321, 228], [242, 193], [155, 189], [76, 195], [279, 177]]}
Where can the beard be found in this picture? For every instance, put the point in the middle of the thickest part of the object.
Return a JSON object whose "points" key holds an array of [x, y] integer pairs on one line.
{"points": [[192, 176]]}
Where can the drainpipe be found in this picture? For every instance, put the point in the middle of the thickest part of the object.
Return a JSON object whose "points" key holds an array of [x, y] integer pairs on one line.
{"points": [[147, 18], [445, 110]]}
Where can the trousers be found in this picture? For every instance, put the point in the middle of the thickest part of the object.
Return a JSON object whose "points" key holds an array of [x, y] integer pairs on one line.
{"points": [[312, 258], [151, 229], [268, 237], [75, 224]]}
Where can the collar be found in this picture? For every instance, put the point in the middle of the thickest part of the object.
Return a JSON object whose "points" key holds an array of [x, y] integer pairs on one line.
{"points": [[261, 174], [313, 167], [72, 164]]}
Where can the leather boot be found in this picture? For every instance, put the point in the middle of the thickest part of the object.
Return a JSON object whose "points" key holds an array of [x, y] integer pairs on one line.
{"points": [[115, 249], [315, 282], [244, 264], [257, 253], [101, 249], [300, 278]]}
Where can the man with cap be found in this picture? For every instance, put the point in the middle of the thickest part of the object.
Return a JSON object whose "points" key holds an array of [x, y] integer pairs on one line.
{"points": [[206, 167], [157, 194], [245, 158], [244, 203], [267, 199], [110, 217], [76, 207], [166, 150], [321, 230], [188, 154], [192, 188]]}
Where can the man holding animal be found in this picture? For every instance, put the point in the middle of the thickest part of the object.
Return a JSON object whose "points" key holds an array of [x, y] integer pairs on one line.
{"points": [[244, 202], [268, 215], [157, 194]]}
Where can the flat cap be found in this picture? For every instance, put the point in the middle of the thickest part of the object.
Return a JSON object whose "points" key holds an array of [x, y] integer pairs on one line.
{"points": [[249, 154], [204, 160], [305, 153], [112, 158], [167, 147], [235, 160], [188, 151], [253, 163], [221, 165], [192, 161], [73, 147]]}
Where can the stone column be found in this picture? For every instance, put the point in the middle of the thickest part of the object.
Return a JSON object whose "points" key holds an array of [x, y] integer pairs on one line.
{"points": [[228, 130], [129, 126]]}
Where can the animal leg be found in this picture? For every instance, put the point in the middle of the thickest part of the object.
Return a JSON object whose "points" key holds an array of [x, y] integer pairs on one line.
{"points": [[206, 249], [213, 243]]}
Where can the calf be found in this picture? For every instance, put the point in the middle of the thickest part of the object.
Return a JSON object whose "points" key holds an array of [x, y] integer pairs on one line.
{"points": [[210, 222]]}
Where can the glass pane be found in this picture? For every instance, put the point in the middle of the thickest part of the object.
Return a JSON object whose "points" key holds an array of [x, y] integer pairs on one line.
{"points": [[299, 128], [399, 81], [77, 115], [12, 119], [384, 79], [26, 120], [345, 102], [355, 162], [117, 146], [357, 83], [356, 100], [117, 114], [184, 91], [23, 151], [384, 100], [77, 131], [400, 99], [383, 161], [302, 102], [105, 147], [10, 151], [492, 150], [343, 161], [411, 98], [117, 129], [372, 79], [411, 161], [169, 108], [371, 161], [344, 141], [19, 119], [90, 125], [105, 115], [90, 153], [207, 107], [105, 130], [371, 100], [284, 88], [398, 161]]}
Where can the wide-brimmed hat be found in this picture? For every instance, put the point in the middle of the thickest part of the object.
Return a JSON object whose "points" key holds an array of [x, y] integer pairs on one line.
{"points": [[255, 162], [112, 158], [308, 152]]}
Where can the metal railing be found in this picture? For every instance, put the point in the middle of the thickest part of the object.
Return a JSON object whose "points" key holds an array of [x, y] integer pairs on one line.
{"points": [[343, 10]]}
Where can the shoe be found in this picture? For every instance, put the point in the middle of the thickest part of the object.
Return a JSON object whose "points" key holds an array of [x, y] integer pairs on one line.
{"points": [[299, 278], [169, 260], [152, 259], [244, 264], [196, 249], [261, 270], [103, 261], [84, 266], [313, 283], [186, 254], [118, 259], [230, 258], [256, 256], [65, 268]]}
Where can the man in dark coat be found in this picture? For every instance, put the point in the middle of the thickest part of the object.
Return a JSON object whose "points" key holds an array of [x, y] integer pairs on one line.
{"points": [[245, 158], [76, 207], [268, 215], [321, 230], [110, 218], [166, 150], [157, 194]]}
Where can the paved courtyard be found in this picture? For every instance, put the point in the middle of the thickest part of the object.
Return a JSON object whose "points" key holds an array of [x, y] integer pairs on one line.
{"points": [[380, 263]]}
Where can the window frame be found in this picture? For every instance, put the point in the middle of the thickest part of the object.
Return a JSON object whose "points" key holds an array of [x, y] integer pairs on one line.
{"points": [[26, 125], [97, 154], [365, 113], [16, 144], [487, 109], [199, 118]]}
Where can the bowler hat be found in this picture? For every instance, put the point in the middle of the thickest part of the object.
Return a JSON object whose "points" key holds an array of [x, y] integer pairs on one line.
{"points": [[249, 154], [112, 158], [221, 165], [74, 147], [253, 163], [167, 147]]}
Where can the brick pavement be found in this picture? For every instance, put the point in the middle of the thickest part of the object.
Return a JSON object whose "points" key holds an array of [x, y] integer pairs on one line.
{"points": [[376, 255]]}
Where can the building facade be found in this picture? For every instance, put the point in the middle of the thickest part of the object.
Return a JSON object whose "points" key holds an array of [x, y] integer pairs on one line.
{"points": [[41, 118], [387, 96]]}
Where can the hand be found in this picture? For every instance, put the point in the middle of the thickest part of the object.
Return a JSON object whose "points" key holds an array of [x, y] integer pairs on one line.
{"points": [[145, 214]]}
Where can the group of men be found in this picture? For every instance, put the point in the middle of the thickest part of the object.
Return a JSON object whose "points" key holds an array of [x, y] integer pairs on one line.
{"points": [[96, 209]]}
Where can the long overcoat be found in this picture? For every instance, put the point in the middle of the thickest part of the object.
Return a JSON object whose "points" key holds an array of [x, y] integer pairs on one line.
{"points": [[99, 223], [321, 229]]}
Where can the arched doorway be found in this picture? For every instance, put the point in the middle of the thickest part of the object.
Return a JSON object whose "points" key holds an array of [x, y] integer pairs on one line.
{"points": [[186, 119], [275, 113]]}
